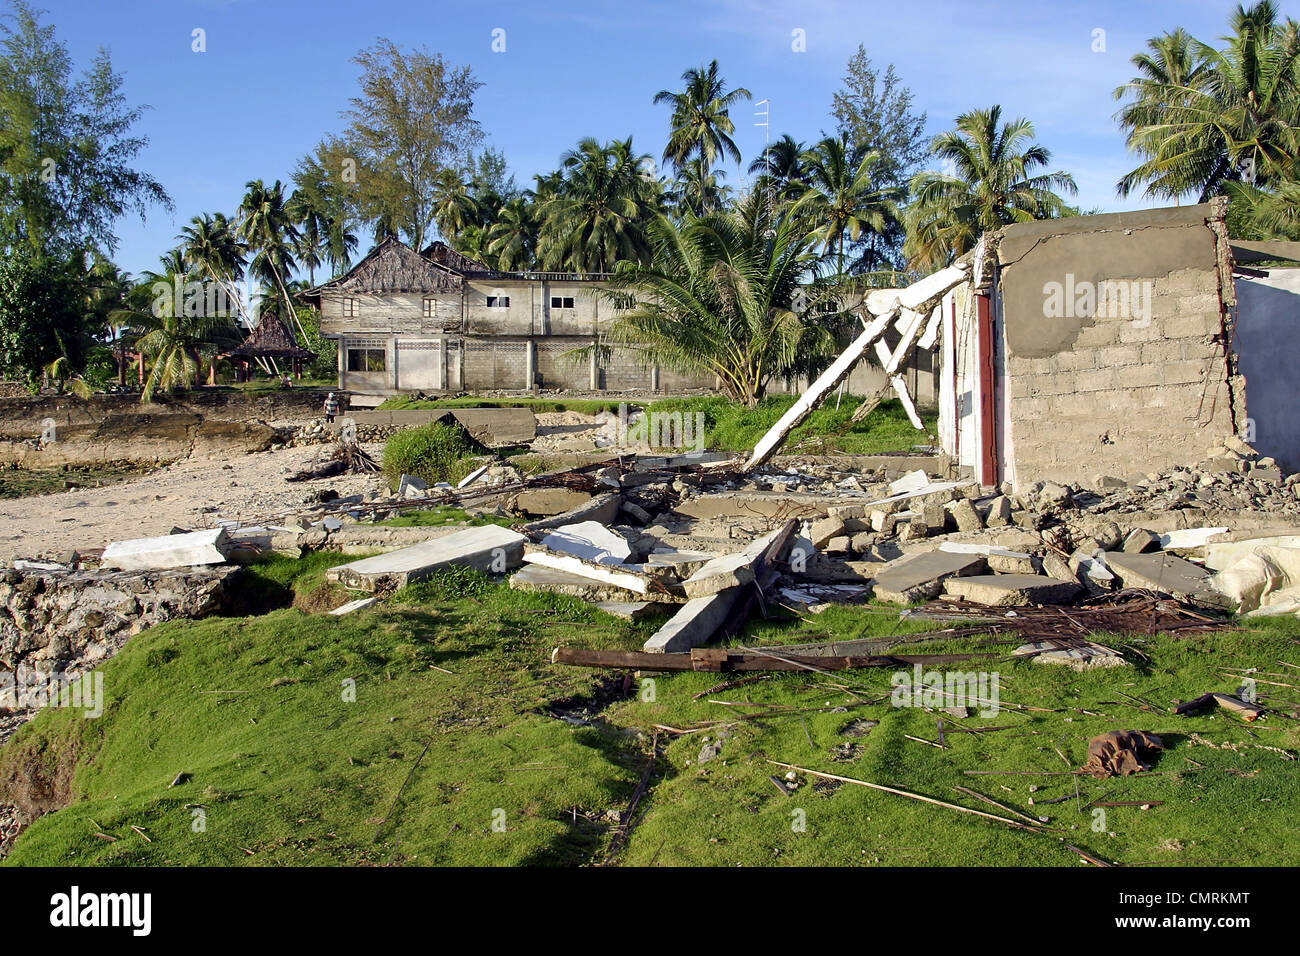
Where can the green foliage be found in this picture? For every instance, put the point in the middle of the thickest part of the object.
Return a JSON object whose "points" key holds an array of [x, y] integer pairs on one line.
{"points": [[719, 298], [41, 319], [994, 184], [435, 452], [1200, 117], [442, 516], [588, 406], [732, 427], [65, 145]]}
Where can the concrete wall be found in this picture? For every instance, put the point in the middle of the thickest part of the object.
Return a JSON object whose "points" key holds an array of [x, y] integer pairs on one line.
{"points": [[1125, 390], [1265, 338]]}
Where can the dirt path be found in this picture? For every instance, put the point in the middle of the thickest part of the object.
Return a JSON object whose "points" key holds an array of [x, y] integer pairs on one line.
{"points": [[179, 495]]}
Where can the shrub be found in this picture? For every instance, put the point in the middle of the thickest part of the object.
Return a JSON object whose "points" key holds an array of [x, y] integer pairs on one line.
{"points": [[435, 452]]}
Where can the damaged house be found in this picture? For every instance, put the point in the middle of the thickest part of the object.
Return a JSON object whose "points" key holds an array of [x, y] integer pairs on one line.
{"points": [[1102, 348]]}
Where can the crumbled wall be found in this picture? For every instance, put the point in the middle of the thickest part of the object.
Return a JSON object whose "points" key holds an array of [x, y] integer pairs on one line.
{"points": [[1131, 391]]}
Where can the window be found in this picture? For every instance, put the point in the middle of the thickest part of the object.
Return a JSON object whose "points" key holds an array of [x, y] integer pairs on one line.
{"points": [[349, 308], [561, 302], [367, 360], [498, 302], [429, 307]]}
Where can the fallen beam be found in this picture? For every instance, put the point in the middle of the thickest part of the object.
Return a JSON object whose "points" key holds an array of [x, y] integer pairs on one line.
{"points": [[725, 659], [823, 386]]}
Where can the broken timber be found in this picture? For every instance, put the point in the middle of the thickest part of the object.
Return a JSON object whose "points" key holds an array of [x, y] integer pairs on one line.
{"points": [[739, 659], [916, 298]]}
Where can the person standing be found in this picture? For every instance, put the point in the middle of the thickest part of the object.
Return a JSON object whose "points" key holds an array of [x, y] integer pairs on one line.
{"points": [[331, 407]]}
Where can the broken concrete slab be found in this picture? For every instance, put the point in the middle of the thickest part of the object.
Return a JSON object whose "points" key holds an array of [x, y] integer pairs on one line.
{"points": [[489, 548], [1001, 560], [965, 515], [1080, 658], [912, 481], [547, 502], [682, 563], [535, 577], [627, 610], [603, 508], [921, 576], [727, 570], [625, 577], [1139, 540], [1188, 539], [1011, 590], [358, 605], [1165, 573], [590, 541], [409, 486], [1220, 555], [169, 551]]}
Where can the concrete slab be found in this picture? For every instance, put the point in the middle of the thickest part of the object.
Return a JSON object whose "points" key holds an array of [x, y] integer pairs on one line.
{"points": [[627, 610], [625, 578], [169, 551], [726, 571], [921, 576], [1186, 539], [535, 577], [999, 559], [358, 605], [546, 502], [590, 541], [1220, 555], [489, 548], [602, 509], [682, 563], [1159, 571], [1011, 590]]}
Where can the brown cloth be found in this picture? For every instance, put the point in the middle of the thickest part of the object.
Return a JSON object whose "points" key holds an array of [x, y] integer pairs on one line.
{"points": [[1120, 752]]}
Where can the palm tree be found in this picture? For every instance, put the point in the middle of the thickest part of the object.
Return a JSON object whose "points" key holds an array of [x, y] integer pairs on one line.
{"points": [[313, 224], [268, 230], [599, 211], [213, 251], [1200, 117], [175, 345], [512, 237], [719, 298], [842, 199], [453, 206], [701, 120], [993, 184], [698, 190], [780, 166]]}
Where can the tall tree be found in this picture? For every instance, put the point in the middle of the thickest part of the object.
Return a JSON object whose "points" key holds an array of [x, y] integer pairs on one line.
{"points": [[325, 190], [876, 114], [844, 199], [994, 183], [412, 120], [212, 250], [512, 237], [41, 314], [1200, 117], [66, 147], [701, 125], [780, 166], [267, 229], [598, 214]]}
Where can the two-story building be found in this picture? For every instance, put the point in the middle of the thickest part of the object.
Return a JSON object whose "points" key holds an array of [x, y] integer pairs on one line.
{"points": [[437, 321]]}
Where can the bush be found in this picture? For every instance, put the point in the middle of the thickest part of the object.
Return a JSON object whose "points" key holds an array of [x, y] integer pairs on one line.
{"points": [[435, 452]]}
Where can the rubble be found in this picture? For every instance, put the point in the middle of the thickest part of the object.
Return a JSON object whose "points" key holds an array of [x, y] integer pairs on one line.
{"points": [[489, 548]]}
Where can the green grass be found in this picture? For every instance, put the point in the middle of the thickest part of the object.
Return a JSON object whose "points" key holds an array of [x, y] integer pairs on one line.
{"points": [[731, 427], [588, 406], [438, 451], [288, 770]]}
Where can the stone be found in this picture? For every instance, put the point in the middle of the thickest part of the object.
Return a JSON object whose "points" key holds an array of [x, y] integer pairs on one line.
{"points": [[1109, 483], [636, 513], [409, 486], [1054, 493], [1055, 566], [999, 512], [921, 576], [1139, 540], [965, 515], [1012, 590], [822, 531]]}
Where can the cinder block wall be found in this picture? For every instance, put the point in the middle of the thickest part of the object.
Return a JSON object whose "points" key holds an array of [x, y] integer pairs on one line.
{"points": [[1121, 394]]}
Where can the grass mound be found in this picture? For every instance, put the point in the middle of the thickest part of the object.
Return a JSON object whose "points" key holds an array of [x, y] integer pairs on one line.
{"points": [[438, 451]]}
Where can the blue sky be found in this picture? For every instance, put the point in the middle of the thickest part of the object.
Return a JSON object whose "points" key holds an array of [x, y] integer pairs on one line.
{"points": [[276, 74]]}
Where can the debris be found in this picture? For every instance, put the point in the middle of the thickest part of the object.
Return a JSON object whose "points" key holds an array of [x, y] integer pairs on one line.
{"points": [[627, 610], [534, 577], [1011, 590], [589, 540], [1120, 752], [357, 605], [621, 576], [1163, 573], [169, 551], [922, 576], [1243, 709]]}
